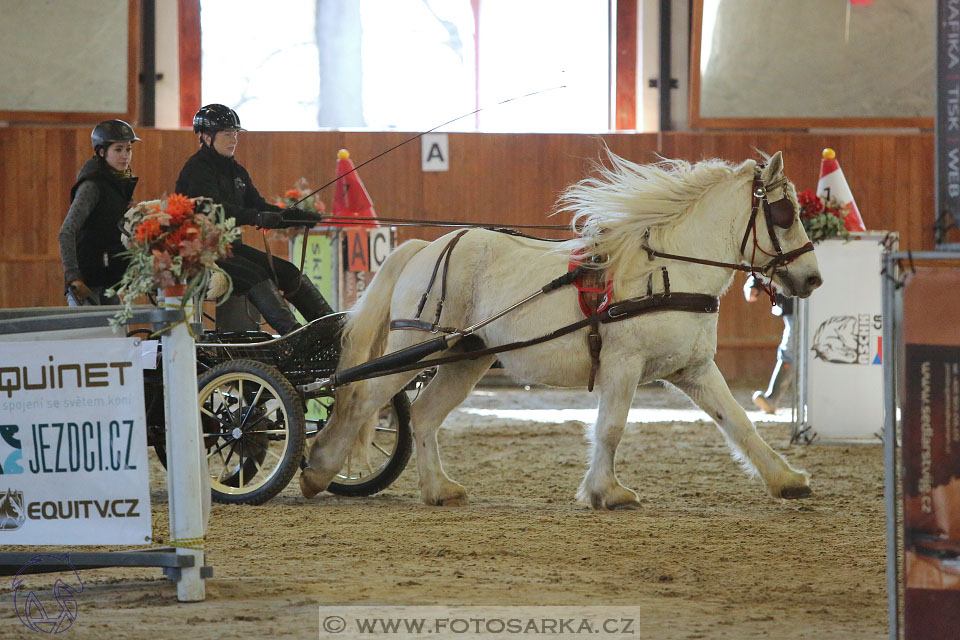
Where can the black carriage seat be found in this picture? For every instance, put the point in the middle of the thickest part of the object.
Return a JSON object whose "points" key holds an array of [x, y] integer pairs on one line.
{"points": [[302, 356]]}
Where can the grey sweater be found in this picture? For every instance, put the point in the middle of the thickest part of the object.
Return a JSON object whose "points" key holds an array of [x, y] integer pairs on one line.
{"points": [[80, 209]]}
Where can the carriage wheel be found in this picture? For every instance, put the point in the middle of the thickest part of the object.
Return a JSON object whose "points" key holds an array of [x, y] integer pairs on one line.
{"points": [[254, 430], [388, 454]]}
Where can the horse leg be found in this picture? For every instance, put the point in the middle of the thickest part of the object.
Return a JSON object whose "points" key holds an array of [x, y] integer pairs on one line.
{"points": [[354, 407], [710, 392], [600, 487], [448, 389]]}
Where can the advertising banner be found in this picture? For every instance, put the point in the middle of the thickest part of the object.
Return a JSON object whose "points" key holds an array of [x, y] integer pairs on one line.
{"points": [[73, 451], [931, 454], [844, 378], [318, 265]]}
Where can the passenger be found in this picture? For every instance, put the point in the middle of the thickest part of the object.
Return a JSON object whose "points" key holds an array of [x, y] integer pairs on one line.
{"points": [[90, 235], [214, 172]]}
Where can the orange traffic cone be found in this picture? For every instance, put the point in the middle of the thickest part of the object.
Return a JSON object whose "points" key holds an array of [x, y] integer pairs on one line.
{"points": [[833, 184], [350, 197]]}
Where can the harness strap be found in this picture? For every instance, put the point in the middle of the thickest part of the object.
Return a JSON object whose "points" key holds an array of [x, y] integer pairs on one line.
{"points": [[595, 342], [419, 325], [444, 253], [688, 302]]}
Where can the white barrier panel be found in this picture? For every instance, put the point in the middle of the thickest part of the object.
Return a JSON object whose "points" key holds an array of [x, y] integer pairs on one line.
{"points": [[842, 347], [73, 448]]}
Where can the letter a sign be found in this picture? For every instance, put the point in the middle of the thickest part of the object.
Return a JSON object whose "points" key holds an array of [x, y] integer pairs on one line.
{"points": [[358, 250], [435, 152]]}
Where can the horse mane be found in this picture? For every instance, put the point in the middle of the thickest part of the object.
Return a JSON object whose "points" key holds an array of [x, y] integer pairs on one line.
{"points": [[613, 208]]}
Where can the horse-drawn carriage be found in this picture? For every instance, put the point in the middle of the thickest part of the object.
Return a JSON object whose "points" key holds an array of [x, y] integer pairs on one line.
{"points": [[633, 220]]}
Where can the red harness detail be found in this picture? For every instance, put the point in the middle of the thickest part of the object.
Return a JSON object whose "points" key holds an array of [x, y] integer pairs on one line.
{"points": [[593, 295]]}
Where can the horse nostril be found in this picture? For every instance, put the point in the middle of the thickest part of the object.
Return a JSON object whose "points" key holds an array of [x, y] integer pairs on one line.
{"points": [[814, 281]]}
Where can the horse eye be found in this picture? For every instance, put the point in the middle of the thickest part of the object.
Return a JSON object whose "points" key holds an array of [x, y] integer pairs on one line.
{"points": [[782, 214]]}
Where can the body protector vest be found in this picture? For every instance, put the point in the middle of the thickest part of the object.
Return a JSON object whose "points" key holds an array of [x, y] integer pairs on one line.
{"points": [[99, 241]]}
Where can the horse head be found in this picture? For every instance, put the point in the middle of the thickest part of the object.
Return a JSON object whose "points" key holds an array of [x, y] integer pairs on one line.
{"points": [[777, 233]]}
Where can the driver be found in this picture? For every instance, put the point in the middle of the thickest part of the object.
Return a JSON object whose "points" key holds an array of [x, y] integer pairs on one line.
{"points": [[213, 172]]}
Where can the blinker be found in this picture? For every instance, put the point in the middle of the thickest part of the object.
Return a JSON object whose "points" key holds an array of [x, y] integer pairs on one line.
{"points": [[782, 214]]}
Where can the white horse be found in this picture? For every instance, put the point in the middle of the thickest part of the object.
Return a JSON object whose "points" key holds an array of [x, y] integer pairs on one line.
{"points": [[705, 210]]}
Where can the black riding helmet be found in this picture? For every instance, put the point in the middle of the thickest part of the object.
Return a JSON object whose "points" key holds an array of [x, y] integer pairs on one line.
{"points": [[216, 117], [110, 131]]}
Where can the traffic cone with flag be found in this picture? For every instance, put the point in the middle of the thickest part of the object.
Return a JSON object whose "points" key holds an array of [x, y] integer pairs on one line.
{"points": [[350, 197], [833, 184]]}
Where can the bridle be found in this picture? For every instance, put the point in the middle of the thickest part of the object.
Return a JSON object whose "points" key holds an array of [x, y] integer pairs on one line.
{"points": [[779, 213]]}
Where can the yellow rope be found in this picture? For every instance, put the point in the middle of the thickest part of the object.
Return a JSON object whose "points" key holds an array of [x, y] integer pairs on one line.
{"points": [[189, 543]]}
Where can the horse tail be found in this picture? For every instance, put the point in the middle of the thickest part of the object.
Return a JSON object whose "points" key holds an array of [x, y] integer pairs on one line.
{"points": [[366, 331]]}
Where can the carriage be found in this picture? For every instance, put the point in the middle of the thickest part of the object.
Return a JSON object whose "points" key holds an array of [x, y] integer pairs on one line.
{"points": [[256, 420]]}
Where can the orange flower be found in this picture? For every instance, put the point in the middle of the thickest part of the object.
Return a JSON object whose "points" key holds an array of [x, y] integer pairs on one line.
{"points": [[292, 193], [179, 235], [148, 230], [178, 207]]}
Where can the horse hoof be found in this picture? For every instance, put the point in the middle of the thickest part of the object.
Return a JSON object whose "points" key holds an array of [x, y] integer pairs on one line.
{"points": [[309, 486], [793, 493], [456, 501], [624, 506]]}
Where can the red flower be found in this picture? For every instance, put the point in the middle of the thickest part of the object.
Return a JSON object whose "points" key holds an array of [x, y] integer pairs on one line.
{"points": [[292, 193], [811, 205], [807, 197]]}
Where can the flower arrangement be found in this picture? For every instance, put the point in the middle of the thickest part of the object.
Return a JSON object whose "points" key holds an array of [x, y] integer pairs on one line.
{"points": [[292, 198], [822, 218], [172, 242]]}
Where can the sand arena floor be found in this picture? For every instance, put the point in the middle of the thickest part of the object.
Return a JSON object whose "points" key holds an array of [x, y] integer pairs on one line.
{"points": [[709, 555]]}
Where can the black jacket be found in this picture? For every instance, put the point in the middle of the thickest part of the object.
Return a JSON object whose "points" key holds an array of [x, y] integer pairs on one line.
{"points": [[98, 241], [226, 182]]}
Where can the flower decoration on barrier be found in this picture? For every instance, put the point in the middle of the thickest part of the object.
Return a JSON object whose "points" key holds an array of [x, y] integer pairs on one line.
{"points": [[176, 241], [291, 198], [822, 218]]}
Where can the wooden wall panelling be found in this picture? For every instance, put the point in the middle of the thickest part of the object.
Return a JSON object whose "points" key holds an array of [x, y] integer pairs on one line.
{"points": [[506, 178]]}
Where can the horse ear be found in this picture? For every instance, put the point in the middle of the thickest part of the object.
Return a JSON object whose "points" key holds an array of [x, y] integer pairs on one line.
{"points": [[774, 166]]}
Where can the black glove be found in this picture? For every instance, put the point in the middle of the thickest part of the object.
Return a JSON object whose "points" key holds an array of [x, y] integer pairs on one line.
{"points": [[269, 219], [294, 217]]}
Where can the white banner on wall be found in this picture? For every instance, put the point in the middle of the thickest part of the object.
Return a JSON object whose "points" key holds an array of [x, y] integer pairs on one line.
{"points": [[842, 354], [73, 448]]}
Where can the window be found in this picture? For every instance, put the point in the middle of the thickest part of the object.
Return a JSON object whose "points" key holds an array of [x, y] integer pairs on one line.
{"points": [[410, 64]]}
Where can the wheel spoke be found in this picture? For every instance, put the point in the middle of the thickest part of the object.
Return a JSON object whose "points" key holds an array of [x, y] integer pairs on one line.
{"points": [[226, 465], [242, 483], [219, 449], [273, 453], [380, 449], [208, 412], [233, 447], [251, 404], [267, 432]]}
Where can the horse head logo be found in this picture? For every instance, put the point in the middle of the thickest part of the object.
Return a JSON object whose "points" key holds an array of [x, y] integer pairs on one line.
{"points": [[12, 513], [30, 609], [836, 340]]}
